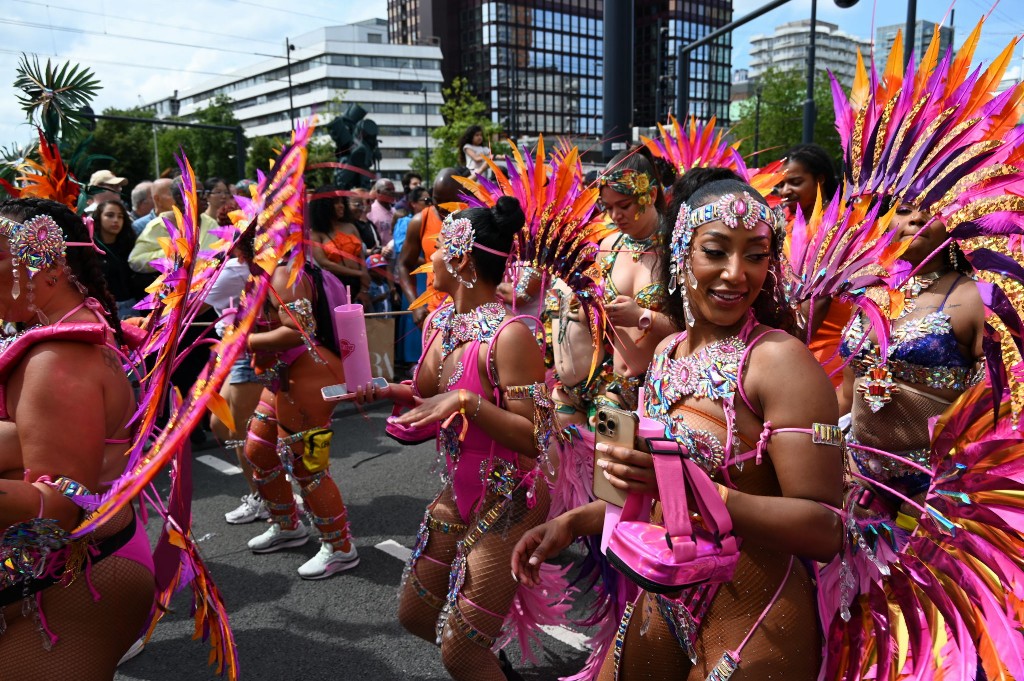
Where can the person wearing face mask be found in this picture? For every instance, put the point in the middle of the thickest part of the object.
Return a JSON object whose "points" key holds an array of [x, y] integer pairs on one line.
{"points": [[748, 402]]}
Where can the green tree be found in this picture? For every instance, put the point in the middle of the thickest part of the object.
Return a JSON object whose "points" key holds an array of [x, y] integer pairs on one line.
{"points": [[261, 152], [211, 152], [460, 110], [130, 145], [779, 124]]}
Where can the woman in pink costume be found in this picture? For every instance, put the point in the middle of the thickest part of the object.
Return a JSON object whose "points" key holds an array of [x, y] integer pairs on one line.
{"points": [[480, 388], [758, 414], [68, 608]]}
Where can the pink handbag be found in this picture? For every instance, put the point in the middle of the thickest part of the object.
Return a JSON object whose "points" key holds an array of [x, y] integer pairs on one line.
{"points": [[682, 553], [404, 434]]}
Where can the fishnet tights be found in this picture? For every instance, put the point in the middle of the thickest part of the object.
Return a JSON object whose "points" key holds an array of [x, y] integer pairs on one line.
{"points": [[324, 501], [92, 635], [488, 589]]}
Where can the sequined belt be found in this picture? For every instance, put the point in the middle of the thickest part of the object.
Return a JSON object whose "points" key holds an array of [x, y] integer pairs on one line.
{"points": [[882, 468], [940, 378], [96, 552]]}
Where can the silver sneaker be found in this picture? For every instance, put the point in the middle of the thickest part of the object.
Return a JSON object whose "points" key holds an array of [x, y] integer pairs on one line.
{"points": [[252, 508], [328, 562], [276, 538]]}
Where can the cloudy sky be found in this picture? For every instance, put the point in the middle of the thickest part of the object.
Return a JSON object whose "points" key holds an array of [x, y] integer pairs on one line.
{"points": [[144, 51]]}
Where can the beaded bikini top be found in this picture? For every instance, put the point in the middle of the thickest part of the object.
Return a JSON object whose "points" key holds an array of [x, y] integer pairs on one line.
{"points": [[457, 328], [710, 373]]}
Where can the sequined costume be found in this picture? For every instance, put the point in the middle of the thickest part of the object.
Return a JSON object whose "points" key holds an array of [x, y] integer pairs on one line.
{"points": [[929, 582], [56, 581], [650, 297], [686, 636], [457, 574], [892, 404]]}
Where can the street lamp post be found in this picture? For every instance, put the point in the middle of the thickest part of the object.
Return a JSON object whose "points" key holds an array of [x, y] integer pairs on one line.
{"points": [[288, 48], [809, 112], [426, 134]]}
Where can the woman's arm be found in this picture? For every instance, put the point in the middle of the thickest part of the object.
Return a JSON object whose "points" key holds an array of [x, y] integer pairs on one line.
{"points": [[519, 362], [57, 382], [845, 393], [793, 392], [287, 335], [549, 539]]}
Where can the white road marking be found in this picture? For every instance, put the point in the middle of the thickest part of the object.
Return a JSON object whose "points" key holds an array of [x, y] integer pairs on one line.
{"points": [[569, 637], [219, 464], [393, 548]]}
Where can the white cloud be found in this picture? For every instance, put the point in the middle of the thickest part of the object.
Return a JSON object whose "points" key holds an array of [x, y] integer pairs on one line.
{"points": [[235, 33]]}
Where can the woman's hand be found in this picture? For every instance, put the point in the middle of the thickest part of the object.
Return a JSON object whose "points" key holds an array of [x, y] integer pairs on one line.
{"points": [[628, 469], [623, 312], [536, 546], [430, 410], [263, 360], [399, 393]]}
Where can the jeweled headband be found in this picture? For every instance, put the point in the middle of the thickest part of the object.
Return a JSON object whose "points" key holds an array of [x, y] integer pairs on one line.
{"points": [[732, 210], [630, 182], [38, 244], [459, 238]]}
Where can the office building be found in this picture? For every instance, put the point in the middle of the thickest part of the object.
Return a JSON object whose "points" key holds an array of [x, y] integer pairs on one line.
{"points": [[923, 32], [399, 86], [538, 64], [787, 49]]}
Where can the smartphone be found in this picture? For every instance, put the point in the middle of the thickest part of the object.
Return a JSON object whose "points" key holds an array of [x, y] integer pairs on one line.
{"points": [[615, 427], [336, 393]]}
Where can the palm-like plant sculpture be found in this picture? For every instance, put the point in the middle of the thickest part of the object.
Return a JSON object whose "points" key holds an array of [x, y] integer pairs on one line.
{"points": [[54, 96]]}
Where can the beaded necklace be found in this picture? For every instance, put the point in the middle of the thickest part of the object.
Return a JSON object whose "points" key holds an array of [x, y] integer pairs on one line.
{"points": [[914, 287], [480, 324], [638, 247], [710, 373]]}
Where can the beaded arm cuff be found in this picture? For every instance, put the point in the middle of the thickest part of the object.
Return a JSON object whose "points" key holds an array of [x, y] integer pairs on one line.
{"points": [[543, 411]]}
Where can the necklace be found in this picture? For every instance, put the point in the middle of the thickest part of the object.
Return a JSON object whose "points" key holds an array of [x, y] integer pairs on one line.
{"points": [[914, 287], [480, 324], [638, 247]]}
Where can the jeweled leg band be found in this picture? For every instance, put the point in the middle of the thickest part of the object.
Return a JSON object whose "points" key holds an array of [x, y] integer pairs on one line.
{"points": [[475, 635]]}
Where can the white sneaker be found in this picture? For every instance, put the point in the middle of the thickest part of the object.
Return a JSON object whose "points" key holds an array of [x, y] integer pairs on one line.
{"points": [[276, 538], [328, 561], [252, 508]]}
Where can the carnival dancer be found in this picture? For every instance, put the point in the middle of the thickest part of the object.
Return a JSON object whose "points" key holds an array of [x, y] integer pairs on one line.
{"points": [[632, 196], [775, 452], [69, 616], [480, 388], [290, 430], [930, 582]]}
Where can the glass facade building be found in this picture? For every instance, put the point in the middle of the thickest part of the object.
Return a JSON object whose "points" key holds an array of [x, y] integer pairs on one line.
{"points": [[538, 64]]}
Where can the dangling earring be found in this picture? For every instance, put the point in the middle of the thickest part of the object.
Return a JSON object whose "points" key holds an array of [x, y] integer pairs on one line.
{"points": [[16, 287], [692, 281], [954, 261]]}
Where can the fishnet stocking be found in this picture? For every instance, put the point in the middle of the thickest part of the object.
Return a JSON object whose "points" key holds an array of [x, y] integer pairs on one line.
{"points": [[901, 425], [92, 635], [488, 590]]}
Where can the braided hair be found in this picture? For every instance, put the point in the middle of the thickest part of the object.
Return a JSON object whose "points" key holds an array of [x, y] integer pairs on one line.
{"points": [[82, 263]]}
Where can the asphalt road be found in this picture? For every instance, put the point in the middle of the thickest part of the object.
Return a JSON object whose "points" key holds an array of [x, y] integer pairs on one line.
{"points": [[340, 628]]}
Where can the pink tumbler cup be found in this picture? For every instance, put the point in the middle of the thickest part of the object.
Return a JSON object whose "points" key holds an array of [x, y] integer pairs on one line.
{"points": [[351, 328]]}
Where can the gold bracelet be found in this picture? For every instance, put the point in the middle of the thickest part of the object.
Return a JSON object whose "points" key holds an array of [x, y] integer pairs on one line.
{"points": [[479, 403], [462, 401], [723, 492]]}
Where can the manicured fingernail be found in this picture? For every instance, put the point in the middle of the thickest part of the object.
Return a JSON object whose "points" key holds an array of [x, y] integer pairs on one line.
{"points": [[607, 475], [601, 463], [534, 560], [516, 579], [602, 447]]}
